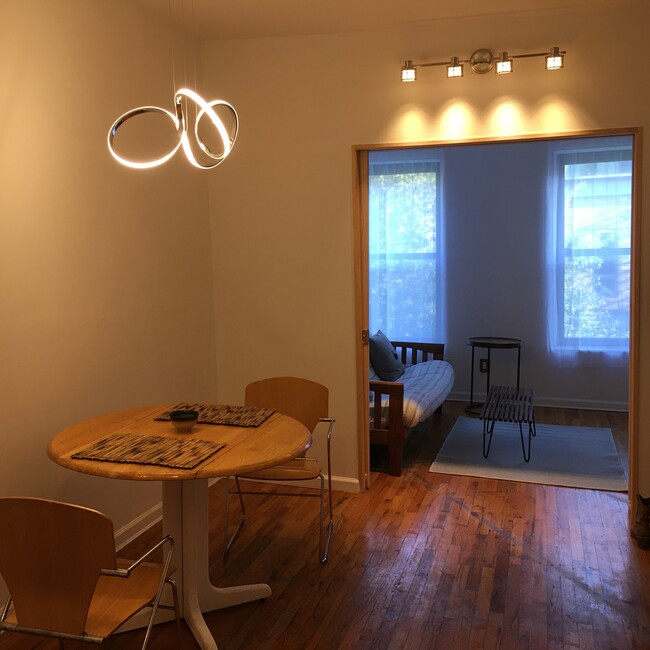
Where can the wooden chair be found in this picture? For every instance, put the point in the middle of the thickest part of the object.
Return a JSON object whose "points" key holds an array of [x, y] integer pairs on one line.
{"points": [[58, 561], [306, 401]]}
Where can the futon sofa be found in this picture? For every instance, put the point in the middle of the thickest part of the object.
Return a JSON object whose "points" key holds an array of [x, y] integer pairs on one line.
{"points": [[408, 383]]}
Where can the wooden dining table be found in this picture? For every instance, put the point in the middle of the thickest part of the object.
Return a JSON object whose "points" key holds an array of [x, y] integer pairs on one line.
{"points": [[185, 490]]}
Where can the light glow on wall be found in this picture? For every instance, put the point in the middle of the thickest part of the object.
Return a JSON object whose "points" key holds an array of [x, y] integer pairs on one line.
{"points": [[554, 114], [411, 124], [508, 116], [457, 120]]}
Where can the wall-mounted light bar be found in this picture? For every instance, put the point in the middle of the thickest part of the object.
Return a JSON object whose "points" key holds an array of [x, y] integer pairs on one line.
{"points": [[483, 61]]}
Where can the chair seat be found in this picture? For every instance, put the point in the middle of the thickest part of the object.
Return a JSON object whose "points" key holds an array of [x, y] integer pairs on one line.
{"points": [[298, 469], [116, 599]]}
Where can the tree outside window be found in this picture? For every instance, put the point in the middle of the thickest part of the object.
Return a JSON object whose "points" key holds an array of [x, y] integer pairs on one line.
{"points": [[592, 248], [404, 276]]}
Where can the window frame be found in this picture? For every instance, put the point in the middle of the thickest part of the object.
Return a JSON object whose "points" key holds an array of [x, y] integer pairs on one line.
{"points": [[415, 165], [562, 159]]}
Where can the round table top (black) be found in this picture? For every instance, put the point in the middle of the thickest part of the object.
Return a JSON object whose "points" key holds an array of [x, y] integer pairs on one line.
{"points": [[493, 342]]}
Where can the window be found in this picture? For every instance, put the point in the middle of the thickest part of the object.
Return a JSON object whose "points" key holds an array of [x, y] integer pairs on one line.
{"points": [[590, 246], [404, 249]]}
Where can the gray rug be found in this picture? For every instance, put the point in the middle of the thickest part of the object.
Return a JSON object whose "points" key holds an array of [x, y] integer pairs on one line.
{"points": [[583, 457]]}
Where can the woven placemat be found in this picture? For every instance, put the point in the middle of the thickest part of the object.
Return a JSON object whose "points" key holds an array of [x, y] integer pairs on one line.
{"points": [[238, 416], [150, 450]]}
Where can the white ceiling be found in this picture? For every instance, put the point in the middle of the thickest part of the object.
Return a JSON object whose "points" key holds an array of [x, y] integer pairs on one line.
{"points": [[224, 19]]}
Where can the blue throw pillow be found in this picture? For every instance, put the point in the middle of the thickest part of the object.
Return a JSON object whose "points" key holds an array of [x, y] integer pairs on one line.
{"points": [[384, 358]]}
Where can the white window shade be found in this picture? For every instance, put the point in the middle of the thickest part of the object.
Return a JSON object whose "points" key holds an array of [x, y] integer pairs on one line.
{"points": [[588, 250], [405, 262]]}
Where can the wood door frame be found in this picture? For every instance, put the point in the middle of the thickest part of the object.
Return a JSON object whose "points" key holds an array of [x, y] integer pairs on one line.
{"points": [[360, 218]]}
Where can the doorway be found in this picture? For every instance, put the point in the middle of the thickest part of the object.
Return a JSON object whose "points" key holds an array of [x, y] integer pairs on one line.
{"points": [[504, 188]]}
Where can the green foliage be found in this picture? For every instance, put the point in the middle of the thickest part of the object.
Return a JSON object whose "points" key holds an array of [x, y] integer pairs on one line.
{"points": [[402, 254]]}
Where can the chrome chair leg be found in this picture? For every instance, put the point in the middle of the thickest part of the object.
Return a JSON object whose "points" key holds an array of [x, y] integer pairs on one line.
{"points": [[177, 613], [227, 541], [176, 609], [330, 526]]}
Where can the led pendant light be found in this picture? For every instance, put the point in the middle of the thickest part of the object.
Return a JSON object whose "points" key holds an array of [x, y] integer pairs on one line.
{"points": [[226, 131], [180, 123]]}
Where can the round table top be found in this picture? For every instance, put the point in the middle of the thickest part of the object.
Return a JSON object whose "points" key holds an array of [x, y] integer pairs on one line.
{"points": [[247, 449], [493, 342]]}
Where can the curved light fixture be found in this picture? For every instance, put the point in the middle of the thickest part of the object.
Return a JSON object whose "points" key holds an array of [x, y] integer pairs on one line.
{"points": [[181, 125]]}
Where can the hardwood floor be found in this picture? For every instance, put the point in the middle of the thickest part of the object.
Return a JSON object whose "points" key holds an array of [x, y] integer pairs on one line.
{"points": [[432, 561]]}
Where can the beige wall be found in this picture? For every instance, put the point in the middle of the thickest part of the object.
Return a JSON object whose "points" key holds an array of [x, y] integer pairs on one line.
{"points": [[115, 284], [281, 209], [105, 279]]}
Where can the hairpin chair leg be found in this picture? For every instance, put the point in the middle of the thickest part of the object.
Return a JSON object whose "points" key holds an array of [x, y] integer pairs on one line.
{"points": [[488, 431]]}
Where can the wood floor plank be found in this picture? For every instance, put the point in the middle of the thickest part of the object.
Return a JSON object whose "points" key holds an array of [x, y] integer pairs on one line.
{"points": [[430, 561]]}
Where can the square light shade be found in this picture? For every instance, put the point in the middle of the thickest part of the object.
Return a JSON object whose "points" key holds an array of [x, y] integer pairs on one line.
{"points": [[555, 60], [455, 68], [408, 71], [504, 64]]}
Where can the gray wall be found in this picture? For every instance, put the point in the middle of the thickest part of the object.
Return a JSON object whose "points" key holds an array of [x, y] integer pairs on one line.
{"points": [[494, 206]]}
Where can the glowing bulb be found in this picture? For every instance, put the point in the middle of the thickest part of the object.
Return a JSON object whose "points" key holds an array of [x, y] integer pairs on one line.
{"points": [[555, 60], [504, 64], [454, 69], [408, 71]]}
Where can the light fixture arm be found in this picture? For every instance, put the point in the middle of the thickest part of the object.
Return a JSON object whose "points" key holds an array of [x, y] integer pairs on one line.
{"points": [[527, 56], [430, 65], [481, 61]]}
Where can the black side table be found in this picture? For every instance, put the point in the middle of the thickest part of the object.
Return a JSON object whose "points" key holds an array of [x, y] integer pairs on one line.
{"points": [[490, 342]]}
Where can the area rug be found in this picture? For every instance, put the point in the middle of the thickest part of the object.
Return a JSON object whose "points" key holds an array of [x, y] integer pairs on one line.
{"points": [[583, 457]]}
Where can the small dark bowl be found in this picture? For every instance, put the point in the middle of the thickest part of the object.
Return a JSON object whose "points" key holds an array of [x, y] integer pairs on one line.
{"points": [[183, 420]]}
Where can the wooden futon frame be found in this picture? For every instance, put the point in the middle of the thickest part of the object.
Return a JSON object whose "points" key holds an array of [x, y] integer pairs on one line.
{"points": [[393, 433]]}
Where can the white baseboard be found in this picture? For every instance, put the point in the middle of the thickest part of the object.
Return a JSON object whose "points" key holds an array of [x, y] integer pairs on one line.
{"points": [[339, 484], [556, 402], [345, 484], [590, 405], [136, 527]]}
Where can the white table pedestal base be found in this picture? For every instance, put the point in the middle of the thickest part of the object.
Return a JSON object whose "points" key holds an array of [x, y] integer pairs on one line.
{"points": [[185, 517]]}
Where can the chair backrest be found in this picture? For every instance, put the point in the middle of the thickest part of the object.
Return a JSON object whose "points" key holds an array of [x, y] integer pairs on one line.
{"points": [[51, 556], [306, 401]]}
